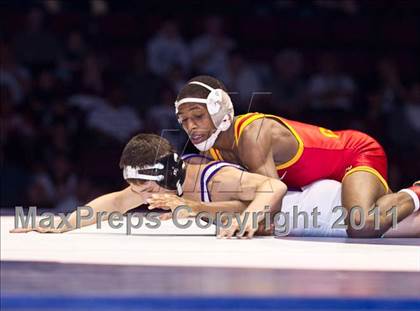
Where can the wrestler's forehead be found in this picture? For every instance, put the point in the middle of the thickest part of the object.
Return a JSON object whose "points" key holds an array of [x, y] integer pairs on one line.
{"points": [[191, 107]]}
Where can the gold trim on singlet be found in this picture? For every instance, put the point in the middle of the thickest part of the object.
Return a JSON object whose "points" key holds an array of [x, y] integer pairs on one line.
{"points": [[240, 125], [371, 170], [215, 153]]}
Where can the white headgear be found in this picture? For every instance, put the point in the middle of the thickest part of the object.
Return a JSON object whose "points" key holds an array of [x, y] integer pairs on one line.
{"points": [[220, 108], [168, 172]]}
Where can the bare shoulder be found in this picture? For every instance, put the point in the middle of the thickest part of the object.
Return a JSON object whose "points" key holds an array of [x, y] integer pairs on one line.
{"points": [[226, 174], [256, 133], [255, 143], [234, 176]]}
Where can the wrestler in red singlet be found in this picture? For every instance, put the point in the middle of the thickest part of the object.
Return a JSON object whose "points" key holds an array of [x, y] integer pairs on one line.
{"points": [[322, 153]]}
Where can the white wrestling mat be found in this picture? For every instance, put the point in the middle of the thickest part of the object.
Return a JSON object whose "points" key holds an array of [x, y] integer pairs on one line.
{"points": [[171, 246]]}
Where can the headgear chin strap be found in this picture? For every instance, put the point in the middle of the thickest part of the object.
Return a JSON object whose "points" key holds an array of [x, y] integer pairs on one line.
{"points": [[168, 172], [220, 108]]}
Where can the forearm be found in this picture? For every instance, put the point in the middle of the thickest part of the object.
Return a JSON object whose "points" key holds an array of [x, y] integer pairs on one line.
{"points": [[100, 208], [268, 197], [213, 208]]}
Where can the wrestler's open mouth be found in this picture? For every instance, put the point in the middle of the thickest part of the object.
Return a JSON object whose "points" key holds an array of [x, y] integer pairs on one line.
{"points": [[197, 138]]}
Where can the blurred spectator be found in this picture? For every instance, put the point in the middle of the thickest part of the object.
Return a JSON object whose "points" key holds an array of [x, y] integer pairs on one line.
{"points": [[36, 46], [166, 49], [241, 78], [85, 192], [329, 88], [92, 74], [210, 50], [99, 7], [53, 184], [59, 141], [349, 7], [390, 88], [72, 59], [17, 137], [11, 121], [412, 108], [13, 75], [176, 78], [114, 118], [60, 131], [162, 120], [141, 86], [62, 113], [46, 87], [288, 85], [18, 131]]}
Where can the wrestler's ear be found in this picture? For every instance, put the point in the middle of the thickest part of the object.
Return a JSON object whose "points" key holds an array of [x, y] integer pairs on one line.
{"points": [[137, 185]]}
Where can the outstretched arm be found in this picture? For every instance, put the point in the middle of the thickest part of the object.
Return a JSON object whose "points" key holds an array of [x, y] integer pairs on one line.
{"points": [[120, 201]]}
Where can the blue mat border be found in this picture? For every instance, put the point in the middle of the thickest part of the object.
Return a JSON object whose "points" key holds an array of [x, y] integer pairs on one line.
{"points": [[205, 303]]}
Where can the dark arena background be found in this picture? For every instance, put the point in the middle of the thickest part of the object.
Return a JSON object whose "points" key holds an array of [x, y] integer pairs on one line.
{"points": [[79, 78]]}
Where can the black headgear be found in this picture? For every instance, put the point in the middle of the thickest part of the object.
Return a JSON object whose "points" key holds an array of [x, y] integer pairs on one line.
{"points": [[168, 172]]}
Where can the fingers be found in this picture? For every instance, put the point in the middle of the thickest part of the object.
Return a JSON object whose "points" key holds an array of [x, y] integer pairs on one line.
{"points": [[234, 230], [228, 232], [248, 233], [263, 231], [21, 230], [165, 216], [47, 230], [164, 201], [36, 229], [251, 233], [157, 203]]}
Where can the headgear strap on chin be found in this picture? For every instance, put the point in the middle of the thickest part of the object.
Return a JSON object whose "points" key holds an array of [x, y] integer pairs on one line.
{"points": [[168, 172], [220, 108]]}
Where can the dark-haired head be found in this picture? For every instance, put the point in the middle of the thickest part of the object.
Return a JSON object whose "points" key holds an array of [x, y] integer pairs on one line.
{"points": [[193, 90], [144, 149]]}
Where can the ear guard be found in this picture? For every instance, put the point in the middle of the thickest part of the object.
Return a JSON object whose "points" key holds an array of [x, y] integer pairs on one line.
{"points": [[220, 108], [168, 172]]}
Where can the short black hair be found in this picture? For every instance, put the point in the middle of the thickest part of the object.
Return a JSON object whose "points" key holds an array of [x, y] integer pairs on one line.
{"points": [[197, 91], [145, 149]]}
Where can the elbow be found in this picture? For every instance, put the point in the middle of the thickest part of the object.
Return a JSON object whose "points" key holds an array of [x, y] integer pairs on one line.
{"points": [[278, 187]]}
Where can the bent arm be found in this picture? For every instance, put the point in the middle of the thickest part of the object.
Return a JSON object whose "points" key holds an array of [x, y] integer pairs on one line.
{"points": [[254, 190], [265, 195], [171, 202], [268, 194], [255, 149], [212, 208]]}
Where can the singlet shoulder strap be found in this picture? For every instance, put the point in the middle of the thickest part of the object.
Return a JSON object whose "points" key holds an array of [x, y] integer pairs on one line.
{"points": [[209, 171], [215, 154], [189, 156], [243, 121]]}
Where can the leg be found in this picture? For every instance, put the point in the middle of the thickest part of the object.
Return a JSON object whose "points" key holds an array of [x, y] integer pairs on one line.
{"points": [[365, 190]]}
